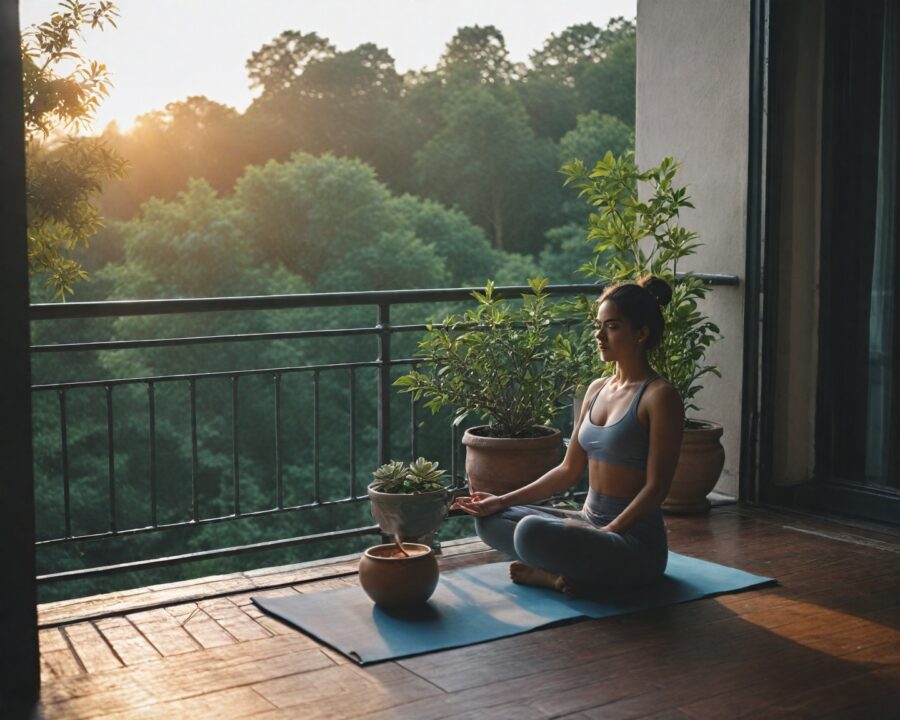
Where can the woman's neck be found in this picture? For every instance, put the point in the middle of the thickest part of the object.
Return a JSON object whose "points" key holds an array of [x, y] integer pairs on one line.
{"points": [[637, 370]]}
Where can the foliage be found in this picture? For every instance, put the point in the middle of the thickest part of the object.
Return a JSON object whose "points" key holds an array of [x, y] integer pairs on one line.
{"points": [[191, 138], [64, 174], [507, 365], [487, 161], [564, 56], [609, 86], [594, 135], [467, 254], [476, 55], [420, 476], [477, 132], [565, 251], [635, 237], [278, 64]]}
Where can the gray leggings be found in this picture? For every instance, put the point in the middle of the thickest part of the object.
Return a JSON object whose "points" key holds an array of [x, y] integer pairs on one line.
{"points": [[568, 543]]}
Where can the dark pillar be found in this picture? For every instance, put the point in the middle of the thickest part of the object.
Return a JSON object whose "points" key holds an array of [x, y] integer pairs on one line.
{"points": [[19, 665]]}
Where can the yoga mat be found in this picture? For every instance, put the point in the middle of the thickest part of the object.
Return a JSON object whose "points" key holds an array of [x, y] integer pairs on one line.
{"points": [[480, 603]]}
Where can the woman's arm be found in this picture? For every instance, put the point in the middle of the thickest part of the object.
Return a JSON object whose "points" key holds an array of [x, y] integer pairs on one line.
{"points": [[666, 414], [550, 483]]}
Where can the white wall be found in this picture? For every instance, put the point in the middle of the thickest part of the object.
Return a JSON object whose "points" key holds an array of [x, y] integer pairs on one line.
{"points": [[693, 60]]}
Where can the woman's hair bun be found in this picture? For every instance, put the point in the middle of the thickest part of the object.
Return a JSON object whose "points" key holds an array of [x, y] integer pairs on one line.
{"points": [[658, 288]]}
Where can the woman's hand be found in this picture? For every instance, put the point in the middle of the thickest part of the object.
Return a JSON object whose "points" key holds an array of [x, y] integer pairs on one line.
{"points": [[479, 504]]}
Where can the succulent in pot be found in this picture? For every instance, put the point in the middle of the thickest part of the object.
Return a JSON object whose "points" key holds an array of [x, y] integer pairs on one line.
{"points": [[509, 365], [409, 501]]}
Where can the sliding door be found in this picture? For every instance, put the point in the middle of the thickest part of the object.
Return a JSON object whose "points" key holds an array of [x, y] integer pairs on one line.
{"points": [[857, 453]]}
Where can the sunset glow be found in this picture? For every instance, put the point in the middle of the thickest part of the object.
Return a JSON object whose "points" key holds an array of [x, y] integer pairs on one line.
{"points": [[168, 50]]}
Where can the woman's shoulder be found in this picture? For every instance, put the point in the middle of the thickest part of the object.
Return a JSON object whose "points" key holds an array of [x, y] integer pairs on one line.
{"points": [[661, 393], [595, 386]]}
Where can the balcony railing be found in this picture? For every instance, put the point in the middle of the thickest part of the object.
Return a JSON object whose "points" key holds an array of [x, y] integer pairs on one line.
{"points": [[381, 365]]}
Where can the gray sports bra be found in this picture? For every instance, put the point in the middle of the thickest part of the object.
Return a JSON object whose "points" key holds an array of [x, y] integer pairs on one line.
{"points": [[624, 443]]}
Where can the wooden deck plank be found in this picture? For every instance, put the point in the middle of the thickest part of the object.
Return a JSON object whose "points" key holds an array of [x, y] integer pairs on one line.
{"points": [[90, 647], [181, 677], [129, 645], [200, 626], [234, 703], [164, 632], [825, 642], [346, 691], [233, 619], [57, 657]]}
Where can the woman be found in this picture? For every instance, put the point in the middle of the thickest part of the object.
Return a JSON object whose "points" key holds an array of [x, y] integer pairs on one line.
{"points": [[629, 436]]}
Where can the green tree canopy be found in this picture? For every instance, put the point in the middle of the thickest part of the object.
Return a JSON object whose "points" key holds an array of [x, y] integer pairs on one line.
{"points": [[278, 64], [193, 246], [466, 252], [593, 136], [476, 55], [488, 162], [309, 213], [192, 138], [609, 85], [565, 55]]}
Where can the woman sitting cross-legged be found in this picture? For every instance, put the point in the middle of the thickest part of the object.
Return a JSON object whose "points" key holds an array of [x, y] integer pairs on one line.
{"points": [[629, 436]]}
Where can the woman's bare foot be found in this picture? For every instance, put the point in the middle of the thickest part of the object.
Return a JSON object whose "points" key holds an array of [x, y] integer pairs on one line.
{"points": [[523, 574]]}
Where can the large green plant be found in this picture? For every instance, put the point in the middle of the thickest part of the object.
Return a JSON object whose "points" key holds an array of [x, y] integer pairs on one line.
{"points": [[506, 364], [634, 237]]}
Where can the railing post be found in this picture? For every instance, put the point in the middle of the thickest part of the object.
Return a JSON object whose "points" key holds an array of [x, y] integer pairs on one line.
{"points": [[384, 382]]}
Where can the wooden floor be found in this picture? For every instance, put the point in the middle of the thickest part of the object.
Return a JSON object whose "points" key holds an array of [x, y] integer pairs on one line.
{"points": [[824, 643]]}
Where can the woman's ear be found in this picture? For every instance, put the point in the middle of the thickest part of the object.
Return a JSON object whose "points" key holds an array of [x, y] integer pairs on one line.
{"points": [[643, 334]]}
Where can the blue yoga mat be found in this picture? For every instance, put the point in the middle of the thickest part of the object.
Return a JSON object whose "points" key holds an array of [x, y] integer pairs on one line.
{"points": [[480, 603]]}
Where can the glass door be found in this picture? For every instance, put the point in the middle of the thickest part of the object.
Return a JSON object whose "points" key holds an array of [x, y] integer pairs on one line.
{"points": [[858, 395]]}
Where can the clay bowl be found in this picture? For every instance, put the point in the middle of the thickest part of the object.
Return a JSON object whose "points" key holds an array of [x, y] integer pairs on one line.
{"points": [[394, 581]]}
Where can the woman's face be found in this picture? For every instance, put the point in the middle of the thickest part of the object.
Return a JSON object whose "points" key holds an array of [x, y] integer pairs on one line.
{"points": [[615, 336]]}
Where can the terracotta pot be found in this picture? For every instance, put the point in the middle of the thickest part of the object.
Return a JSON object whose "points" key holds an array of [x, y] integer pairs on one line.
{"points": [[697, 472], [394, 581], [498, 465], [406, 516]]}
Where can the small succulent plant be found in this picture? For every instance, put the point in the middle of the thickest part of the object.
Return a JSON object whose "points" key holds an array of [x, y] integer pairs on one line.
{"points": [[398, 478]]}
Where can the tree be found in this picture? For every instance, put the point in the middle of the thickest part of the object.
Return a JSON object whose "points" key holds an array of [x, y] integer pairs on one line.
{"points": [[64, 173], [309, 213], [565, 55], [551, 105], [594, 134], [564, 253], [476, 55], [191, 247], [317, 100], [609, 86], [192, 138], [345, 100], [278, 64], [488, 162], [466, 252], [394, 260]]}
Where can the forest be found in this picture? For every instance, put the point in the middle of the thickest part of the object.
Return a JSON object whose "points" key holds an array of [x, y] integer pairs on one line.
{"points": [[342, 175]]}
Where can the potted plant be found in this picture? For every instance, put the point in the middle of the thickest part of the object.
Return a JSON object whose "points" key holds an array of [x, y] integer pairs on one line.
{"points": [[409, 501], [510, 366], [634, 237]]}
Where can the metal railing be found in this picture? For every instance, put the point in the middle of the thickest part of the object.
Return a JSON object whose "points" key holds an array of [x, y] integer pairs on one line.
{"points": [[382, 364]]}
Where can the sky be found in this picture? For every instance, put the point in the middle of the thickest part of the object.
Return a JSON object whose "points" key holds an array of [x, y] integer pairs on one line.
{"points": [[168, 50]]}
